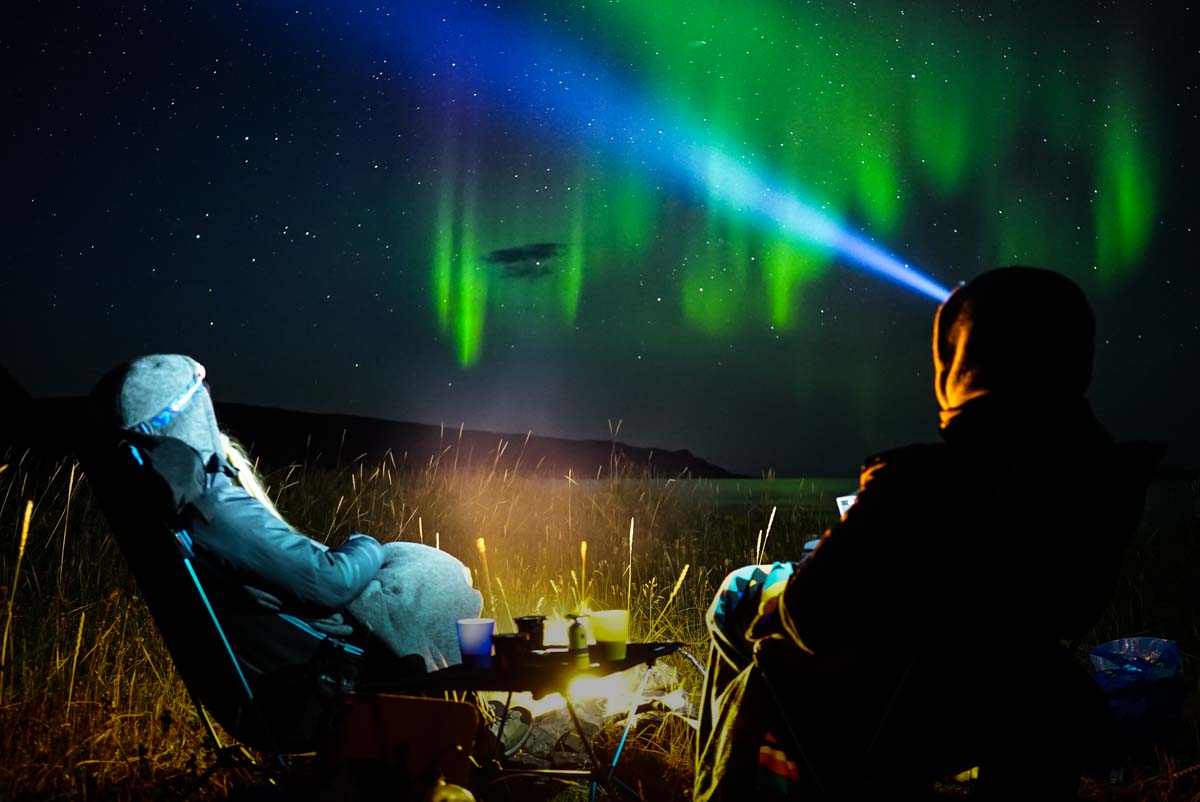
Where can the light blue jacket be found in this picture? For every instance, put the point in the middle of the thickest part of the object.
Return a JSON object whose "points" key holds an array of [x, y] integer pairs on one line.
{"points": [[234, 535]]}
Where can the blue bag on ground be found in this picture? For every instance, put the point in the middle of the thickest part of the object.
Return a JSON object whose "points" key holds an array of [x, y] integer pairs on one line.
{"points": [[1143, 681]]}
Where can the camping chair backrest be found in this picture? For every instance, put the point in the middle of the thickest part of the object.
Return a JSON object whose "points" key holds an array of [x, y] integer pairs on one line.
{"points": [[138, 505]]}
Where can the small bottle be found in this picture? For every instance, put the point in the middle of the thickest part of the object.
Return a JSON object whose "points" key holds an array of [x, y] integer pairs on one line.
{"points": [[577, 644]]}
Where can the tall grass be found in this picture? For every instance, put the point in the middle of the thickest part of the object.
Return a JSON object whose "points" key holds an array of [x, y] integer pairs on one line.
{"points": [[91, 706]]}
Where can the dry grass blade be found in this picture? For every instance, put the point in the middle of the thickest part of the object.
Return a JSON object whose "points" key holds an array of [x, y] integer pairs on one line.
{"points": [[12, 595], [75, 658]]}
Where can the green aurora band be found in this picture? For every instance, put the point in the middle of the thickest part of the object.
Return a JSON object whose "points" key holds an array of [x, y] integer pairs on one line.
{"points": [[1045, 152]]}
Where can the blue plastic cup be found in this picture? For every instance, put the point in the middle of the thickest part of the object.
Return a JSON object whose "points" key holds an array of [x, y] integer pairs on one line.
{"points": [[475, 641]]}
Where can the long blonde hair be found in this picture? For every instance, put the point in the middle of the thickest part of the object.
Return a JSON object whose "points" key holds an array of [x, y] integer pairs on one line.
{"points": [[247, 477]]}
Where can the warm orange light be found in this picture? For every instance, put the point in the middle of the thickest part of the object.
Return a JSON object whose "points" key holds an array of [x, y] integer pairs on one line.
{"points": [[554, 630], [616, 690]]}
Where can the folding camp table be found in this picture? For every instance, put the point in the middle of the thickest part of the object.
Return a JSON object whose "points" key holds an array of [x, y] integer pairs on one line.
{"points": [[540, 673]]}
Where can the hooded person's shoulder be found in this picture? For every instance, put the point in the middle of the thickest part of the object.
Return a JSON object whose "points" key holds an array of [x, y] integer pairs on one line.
{"points": [[916, 464]]}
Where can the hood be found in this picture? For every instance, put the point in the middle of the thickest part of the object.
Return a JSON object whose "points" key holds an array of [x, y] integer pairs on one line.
{"points": [[1021, 334]]}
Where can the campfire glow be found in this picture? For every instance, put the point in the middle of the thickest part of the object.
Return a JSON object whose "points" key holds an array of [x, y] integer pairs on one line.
{"points": [[554, 632], [616, 690]]}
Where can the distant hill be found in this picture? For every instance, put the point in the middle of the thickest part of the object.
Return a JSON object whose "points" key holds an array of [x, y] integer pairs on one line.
{"points": [[14, 405], [280, 437], [289, 436]]}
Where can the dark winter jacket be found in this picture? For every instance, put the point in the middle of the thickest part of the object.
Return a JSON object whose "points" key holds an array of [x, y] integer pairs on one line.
{"points": [[1010, 531]]}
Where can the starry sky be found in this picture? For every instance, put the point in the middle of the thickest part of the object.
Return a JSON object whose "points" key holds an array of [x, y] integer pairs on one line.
{"points": [[724, 225]]}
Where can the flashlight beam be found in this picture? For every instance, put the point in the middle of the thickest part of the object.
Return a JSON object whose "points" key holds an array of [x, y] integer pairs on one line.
{"points": [[542, 79]]}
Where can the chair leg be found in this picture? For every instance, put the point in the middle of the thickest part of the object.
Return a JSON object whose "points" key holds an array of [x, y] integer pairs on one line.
{"points": [[630, 715]]}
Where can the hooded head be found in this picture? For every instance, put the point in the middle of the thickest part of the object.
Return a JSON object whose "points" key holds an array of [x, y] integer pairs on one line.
{"points": [[1022, 333], [162, 395]]}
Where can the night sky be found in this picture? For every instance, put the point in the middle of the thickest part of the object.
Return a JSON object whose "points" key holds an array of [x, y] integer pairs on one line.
{"points": [[723, 224]]}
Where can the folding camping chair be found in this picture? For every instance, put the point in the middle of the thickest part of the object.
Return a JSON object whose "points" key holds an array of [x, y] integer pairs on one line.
{"points": [[1063, 725], [143, 513]]}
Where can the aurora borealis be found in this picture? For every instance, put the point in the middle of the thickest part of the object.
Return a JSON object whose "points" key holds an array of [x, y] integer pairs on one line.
{"points": [[864, 117], [724, 224]]}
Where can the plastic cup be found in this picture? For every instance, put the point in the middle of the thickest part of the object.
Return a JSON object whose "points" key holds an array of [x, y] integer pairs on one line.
{"points": [[611, 631], [534, 627], [475, 641], [511, 650]]}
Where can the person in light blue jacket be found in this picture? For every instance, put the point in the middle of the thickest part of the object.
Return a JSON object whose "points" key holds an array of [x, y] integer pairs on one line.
{"points": [[281, 596]]}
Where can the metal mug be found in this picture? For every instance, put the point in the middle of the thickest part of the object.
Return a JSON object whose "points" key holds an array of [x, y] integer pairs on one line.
{"points": [[534, 626]]}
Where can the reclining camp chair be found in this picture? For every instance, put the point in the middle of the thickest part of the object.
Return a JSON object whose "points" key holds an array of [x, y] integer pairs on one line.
{"points": [[893, 741], [307, 711]]}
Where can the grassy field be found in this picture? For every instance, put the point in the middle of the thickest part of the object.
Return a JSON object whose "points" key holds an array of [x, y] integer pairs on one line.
{"points": [[91, 708]]}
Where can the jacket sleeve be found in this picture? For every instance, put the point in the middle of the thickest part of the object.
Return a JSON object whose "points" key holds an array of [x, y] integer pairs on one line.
{"points": [[842, 596], [238, 535]]}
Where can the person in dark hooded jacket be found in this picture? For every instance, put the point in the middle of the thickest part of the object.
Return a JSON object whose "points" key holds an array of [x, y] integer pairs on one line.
{"points": [[931, 629]]}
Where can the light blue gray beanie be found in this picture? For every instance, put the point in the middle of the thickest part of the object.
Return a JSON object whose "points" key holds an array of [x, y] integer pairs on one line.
{"points": [[164, 395]]}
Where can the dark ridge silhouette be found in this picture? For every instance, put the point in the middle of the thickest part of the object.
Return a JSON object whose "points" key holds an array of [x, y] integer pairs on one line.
{"points": [[14, 408], [279, 437], [49, 428], [290, 437], [13, 397]]}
